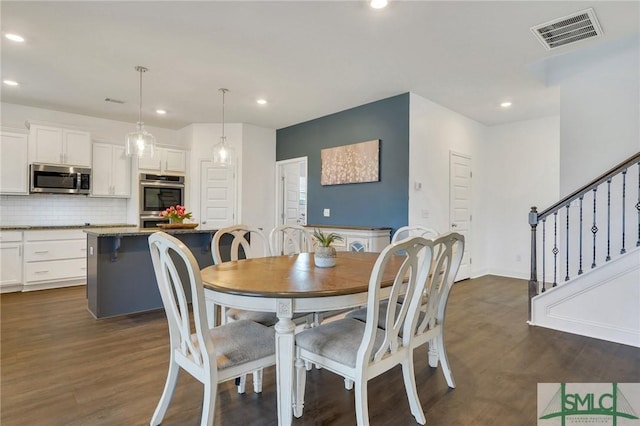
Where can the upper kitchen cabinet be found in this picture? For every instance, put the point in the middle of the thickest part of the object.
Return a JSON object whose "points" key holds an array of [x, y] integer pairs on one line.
{"points": [[56, 145], [165, 161], [14, 177], [111, 171]]}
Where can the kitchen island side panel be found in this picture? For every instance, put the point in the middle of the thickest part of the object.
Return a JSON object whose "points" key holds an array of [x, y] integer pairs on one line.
{"points": [[121, 279]]}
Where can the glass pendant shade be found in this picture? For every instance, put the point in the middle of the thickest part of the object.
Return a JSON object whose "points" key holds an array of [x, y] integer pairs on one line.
{"points": [[140, 143], [223, 154]]}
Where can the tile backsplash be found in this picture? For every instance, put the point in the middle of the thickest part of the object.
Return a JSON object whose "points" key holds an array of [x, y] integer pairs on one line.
{"points": [[43, 210]]}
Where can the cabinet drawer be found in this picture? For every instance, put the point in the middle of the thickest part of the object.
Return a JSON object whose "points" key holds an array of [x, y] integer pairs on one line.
{"points": [[55, 235], [55, 270], [54, 250], [10, 236]]}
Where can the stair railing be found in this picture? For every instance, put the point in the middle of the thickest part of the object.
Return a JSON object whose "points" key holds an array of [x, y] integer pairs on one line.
{"points": [[572, 218]]}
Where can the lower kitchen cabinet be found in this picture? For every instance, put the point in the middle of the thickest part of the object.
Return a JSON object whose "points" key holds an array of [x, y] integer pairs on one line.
{"points": [[10, 261], [54, 258]]}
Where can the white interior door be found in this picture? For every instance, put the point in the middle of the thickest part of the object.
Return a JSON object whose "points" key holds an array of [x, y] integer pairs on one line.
{"points": [[291, 191], [218, 196], [460, 196]]}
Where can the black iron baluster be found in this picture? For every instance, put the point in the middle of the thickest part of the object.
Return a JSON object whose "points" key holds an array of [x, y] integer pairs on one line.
{"points": [[594, 228], [555, 249], [544, 253], [566, 277], [580, 254], [624, 201], [638, 206], [608, 258]]}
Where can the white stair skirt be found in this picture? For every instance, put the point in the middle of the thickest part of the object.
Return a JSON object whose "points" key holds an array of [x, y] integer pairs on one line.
{"points": [[603, 303]]}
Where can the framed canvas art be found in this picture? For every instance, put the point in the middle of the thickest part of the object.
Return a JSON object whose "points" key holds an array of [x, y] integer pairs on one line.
{"points": [[355, 163]]}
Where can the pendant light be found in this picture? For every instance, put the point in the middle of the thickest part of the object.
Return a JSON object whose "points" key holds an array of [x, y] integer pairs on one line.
{"points": [[140, 143], [222, 152]]}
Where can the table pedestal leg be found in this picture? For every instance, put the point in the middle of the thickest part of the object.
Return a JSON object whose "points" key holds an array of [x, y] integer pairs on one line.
{"points": [[285, 346]]}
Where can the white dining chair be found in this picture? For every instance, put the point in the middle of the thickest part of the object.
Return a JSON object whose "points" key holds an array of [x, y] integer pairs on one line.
{"points": [[290, 239], [448, 250], [414, 231], [213, 355], [361, 351]]}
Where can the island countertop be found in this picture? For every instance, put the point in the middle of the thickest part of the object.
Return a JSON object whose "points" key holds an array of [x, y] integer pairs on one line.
{"points": [[126, 231]]}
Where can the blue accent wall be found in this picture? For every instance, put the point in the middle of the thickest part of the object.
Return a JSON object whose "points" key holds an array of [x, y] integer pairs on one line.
{"points": [[378, 204]]}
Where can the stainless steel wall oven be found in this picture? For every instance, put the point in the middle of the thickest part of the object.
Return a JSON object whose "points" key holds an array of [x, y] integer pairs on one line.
{"points": [[157, 193]]}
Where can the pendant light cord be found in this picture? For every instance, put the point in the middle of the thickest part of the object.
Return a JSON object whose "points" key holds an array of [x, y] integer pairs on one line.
{"points": [[140, 104], [223, 92]]}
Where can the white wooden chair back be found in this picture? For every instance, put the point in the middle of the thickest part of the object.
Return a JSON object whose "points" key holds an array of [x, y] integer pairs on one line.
{"points": [[402, 312], [414, 231], [259, 246], [290, 239], [164, 248]]}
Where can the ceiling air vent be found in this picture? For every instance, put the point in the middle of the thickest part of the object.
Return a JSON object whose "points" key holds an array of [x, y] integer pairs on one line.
{"points": [[568, 29], [115, 101]]}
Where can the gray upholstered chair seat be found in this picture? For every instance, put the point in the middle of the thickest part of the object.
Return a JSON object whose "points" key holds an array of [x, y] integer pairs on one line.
{"points": [[338, 340], [361, 314], [239, 342], [264, 318]]}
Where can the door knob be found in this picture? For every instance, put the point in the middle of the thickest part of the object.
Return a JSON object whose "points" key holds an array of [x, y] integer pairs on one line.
{"points": [[454, 225]]}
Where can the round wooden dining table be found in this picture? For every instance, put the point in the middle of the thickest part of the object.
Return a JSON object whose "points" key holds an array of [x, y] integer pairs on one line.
{"points": [[288, 285]]}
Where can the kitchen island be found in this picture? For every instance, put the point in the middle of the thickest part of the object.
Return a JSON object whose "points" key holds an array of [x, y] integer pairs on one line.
{"points": [[120, 275]]}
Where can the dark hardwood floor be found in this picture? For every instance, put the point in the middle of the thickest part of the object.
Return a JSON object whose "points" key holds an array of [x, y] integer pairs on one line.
{"points": [[59, 366]]}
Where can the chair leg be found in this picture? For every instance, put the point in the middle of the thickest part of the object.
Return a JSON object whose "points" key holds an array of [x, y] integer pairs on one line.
{"points": [[408, 374], [433, 353], [242, 384], [209, 400], [301, 381], [444, 361], [362, 404], [257, 381], [167, 393]]}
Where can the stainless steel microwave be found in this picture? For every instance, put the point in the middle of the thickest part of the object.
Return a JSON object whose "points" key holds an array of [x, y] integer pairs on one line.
{"points": [[58, 179]]}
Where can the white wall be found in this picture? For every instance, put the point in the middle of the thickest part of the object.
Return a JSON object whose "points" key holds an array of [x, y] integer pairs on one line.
{"points": [[600, 110], [434, 132], [14, 116], [255, 149], [519, 167]]}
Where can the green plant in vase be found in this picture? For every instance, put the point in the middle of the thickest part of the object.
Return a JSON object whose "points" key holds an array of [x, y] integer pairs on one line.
{"points": [[325, 254]]}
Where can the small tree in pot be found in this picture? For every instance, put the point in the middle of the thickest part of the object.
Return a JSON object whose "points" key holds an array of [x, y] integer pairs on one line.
{"points": [[325, 255]]}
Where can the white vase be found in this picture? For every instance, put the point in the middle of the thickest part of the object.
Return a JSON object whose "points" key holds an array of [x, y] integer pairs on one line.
{"points": [[325, 257]]}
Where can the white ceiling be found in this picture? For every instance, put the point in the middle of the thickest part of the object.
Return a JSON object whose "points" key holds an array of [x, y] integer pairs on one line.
{"points": [[309, 59]]}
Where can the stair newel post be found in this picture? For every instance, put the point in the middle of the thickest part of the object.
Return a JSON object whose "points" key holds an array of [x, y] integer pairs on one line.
{"points": [[533, 280]]}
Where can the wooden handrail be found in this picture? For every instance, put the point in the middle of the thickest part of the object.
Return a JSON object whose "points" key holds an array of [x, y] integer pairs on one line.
{"points": [[588, 187]]}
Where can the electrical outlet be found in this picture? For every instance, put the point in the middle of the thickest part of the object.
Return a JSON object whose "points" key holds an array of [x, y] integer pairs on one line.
{"points": [[326, 212]]}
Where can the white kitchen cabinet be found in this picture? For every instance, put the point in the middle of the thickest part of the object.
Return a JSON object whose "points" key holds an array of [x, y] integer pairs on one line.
{"points": [[10, 261], [14, 169], [165, 161], [357, 238], [54, 258], [56, 145], [111, 171]]}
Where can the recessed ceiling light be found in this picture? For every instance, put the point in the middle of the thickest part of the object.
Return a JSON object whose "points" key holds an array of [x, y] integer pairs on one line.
{"points": [[262, 101], [505, 104], [10, 82], [378, 4], [14, 37], [161, 111]]}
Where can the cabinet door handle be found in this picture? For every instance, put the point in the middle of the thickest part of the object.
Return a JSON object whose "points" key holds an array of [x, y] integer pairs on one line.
{"points": [[41, 252], [83, 249], [42, 272], [166, 164]]}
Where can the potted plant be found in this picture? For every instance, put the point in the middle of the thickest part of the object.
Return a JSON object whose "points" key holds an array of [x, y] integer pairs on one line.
{"points": [[325, 255]]}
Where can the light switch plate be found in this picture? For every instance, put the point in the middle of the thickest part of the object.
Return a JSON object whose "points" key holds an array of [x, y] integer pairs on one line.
{"points": [[326, 212]]}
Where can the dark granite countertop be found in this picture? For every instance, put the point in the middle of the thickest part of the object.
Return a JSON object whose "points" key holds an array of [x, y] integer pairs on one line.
{"points": [[79, 226], [355, 228], [134, 231]]}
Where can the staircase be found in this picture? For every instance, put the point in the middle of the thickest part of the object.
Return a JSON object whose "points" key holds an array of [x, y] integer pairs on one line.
{"points": [[585, 259]]}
